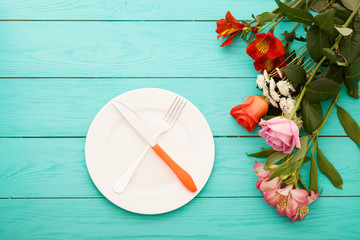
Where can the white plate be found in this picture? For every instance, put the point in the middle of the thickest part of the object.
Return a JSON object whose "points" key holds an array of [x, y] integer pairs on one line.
{"points": [[112, 145]]}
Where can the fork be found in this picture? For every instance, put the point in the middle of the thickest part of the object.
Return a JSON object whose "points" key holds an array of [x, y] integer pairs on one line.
{"points": [[164, 125]]}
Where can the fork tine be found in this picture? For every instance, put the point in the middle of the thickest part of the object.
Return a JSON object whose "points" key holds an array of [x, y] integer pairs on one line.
{"points": [[178, 112], [170, 109], [173, 110]]}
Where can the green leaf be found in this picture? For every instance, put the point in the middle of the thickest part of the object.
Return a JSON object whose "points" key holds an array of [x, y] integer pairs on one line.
{"points": [[328, 169], [285, 169], [316, 40], [265, 17], [318, 5], [335, 73], [351, 127], [354, 93], [300, 153], [263, 153], [326, 21], [313, 181], [306, 159], [352, 74], [294, 14], [321, 90], [330, 54], [341, 12], [350, 4], [343, 30], [350, 47], [274, 158], [312, 115], [295, 74]]}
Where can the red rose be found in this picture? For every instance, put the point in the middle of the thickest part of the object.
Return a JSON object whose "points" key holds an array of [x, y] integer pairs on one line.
{"points": [[228, 27], [249, 113], [265, 44]]}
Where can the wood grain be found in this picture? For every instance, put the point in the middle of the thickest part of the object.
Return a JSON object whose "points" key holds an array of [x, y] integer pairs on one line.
{"points": [[121, 49], [66, 107], [239, 218], [55, 167], [130, 10]]}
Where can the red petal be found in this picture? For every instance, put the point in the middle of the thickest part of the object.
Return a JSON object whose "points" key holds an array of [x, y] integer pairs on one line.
{"points": [[276, 49], [228, 41]]}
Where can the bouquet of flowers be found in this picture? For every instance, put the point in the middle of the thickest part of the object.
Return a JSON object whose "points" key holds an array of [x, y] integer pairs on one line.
{"points": [[293, 86]]}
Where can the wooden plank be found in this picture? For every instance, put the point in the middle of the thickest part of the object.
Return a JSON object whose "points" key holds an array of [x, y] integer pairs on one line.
{"points": [[120, 49], [245, 218], [130, 10], [55, 167], [66, 107]]}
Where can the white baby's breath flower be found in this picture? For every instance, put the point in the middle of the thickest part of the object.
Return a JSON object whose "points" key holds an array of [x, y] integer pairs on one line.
{"points": [[287, 112], [279, 72], [283, 103], [266, 91], [260, 80], [283, 87], [273, 102], [275, 95], [291, 103], [292, 88], [272, 85], [266, 75]]}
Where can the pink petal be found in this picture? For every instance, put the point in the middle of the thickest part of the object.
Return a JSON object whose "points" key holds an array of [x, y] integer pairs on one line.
{"points": [[313, 197], [300, 196], [267, 185], [285, 191], [271, 197]]}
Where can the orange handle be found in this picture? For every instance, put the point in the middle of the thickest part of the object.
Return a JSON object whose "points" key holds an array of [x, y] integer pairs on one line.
{"points": [[184, 177]]}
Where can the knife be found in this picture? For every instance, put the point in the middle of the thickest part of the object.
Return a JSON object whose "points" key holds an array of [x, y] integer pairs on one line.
{"points": [[138, 124]]}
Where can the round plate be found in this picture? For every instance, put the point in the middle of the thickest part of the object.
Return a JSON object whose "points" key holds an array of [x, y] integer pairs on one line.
{"points": [[112, 145]]}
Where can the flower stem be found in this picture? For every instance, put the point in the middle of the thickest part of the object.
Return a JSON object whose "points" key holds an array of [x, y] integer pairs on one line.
{"points": [[279, 21], [316, 131]]}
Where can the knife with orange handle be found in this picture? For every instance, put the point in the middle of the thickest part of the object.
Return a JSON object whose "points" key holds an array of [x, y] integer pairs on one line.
{"points": [[138, 124]]}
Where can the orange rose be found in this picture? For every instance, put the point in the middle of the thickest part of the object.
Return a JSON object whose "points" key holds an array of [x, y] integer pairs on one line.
{"points": [[249, 113]]}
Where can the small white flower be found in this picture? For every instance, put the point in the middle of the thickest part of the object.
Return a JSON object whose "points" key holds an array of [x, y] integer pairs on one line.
{"points": [[279, 72], [266, 91], [275, 95], [287, 112], [283, 103], [283, 87], [260, 80], [272, 85], [292, 88], [273, 102], [291, 103], [266, 75]]}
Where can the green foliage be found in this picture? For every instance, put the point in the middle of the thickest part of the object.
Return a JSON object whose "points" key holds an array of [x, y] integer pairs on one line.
{"points": [[350, 126], [263, 153], [295, 74], [321, 89], [350, 47], [352, 75], [316, 40], [294, 14], [335, 73], [312, 115], [326, 21], [328, 169], [313, 180], [265, 17], [274, 158]]}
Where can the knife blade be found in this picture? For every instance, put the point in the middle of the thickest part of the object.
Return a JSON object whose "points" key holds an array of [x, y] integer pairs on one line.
{"points": [[139, 125]]}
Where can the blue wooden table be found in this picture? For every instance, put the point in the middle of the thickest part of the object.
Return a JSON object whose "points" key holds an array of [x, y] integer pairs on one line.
{"points": [[61, 61]]}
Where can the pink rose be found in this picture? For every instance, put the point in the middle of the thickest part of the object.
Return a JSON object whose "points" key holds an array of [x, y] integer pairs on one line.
{"points": [[280, 133]]}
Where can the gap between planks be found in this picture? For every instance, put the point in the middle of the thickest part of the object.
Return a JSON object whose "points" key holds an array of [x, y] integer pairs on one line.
{"points": [[4, 137], [209, 197]]}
